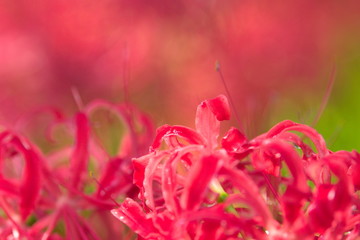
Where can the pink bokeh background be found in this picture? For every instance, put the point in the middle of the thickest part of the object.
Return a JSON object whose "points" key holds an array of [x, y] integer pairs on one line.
{"points": [[162, 54]]}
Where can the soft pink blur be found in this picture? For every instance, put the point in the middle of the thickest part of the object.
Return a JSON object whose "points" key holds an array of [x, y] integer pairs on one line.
{"points": [[162, 54]]}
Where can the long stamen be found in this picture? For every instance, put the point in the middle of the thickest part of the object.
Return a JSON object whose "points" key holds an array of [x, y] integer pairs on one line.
{"points": [[268, 183], [77, 98], [326, 96], [103, 189], [125, 74], [218, 69]]}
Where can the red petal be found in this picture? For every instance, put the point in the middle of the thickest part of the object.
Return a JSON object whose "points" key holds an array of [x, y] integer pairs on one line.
{"points": [[233, 141], [251, 192], [132, 215], [292, 159], [114, 179], [167, 131], [138, 124], [208, 115], [8, 187], [169, 184], [344, 188], [139, 165], [209, 230], [280, 127], [80, 154], [292, 203], [320, 213], [266, 162], [30, 187], [30, 184], [217, 213], [308, 131], [355, 173], [152, 171], [219, 106], [207, 124], [198, 180]]}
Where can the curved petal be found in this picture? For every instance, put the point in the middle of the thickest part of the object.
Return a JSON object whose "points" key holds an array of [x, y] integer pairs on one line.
{"points": [[30, 184], [286, 152], [288, 125], [167, 131], [139, 165], [80, 154], [246, 185], [208, 115], [131, 213], [114, 178], [219, 106], [233, 141], [198, 180]]}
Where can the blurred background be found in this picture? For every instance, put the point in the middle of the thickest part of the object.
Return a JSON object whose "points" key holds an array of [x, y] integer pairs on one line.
{"points": [[276, 58]]}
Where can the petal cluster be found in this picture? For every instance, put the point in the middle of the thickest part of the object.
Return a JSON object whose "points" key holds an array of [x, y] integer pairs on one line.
{"points": [[67, 191], [283, 184]]}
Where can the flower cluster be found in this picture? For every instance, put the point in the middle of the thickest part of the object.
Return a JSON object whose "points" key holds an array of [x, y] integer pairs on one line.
{"points": [[283, 184], [52, 195]]}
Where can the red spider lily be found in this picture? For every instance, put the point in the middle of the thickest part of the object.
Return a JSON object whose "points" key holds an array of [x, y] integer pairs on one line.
{"points": [[54, 197], [275, 186], [24, 191]]}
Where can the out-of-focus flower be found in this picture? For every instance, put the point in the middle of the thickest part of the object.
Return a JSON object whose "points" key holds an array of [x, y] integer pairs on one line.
{"points": [[275, 186], [52, 195]]}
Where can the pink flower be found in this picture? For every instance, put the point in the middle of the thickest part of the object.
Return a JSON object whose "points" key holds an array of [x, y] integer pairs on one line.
{"points": [[54, 196], [18, 188], [274, 186]]}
